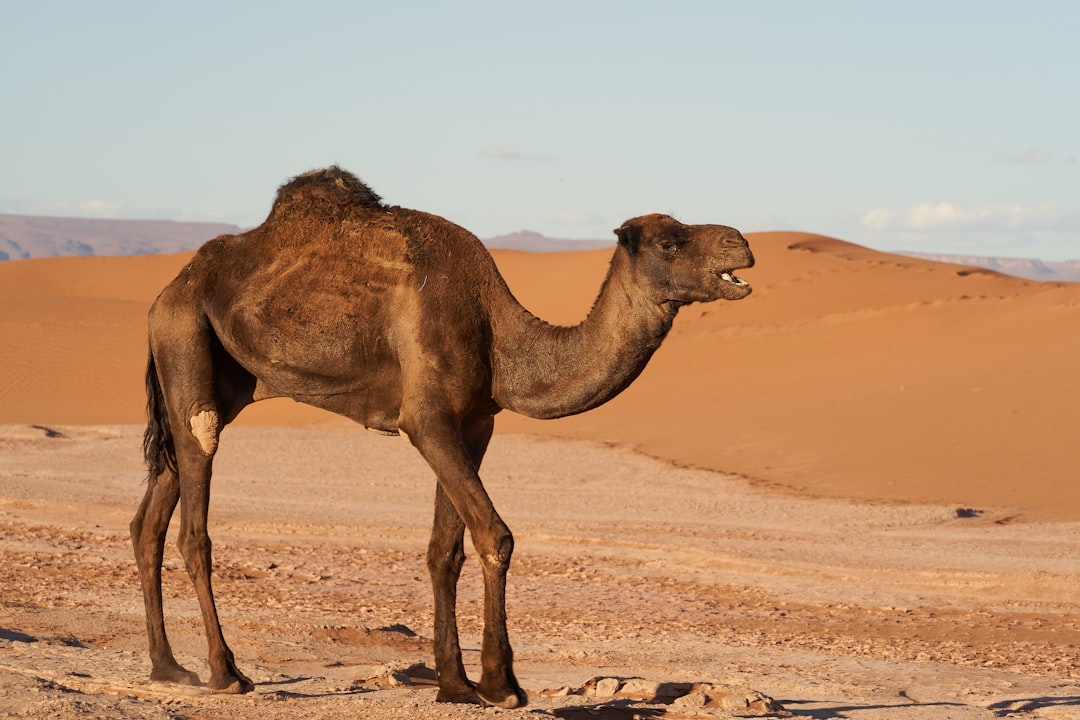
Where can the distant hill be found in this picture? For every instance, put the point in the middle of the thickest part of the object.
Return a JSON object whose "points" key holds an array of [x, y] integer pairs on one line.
{"points": [[535, 242], [1030, 268], [28, 236]]}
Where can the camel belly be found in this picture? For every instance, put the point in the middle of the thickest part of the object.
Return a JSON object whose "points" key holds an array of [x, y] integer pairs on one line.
{"points": [[373, 407]]}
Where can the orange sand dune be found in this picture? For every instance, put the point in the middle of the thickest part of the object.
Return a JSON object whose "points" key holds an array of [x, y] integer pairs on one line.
{"points": [[847, 373]]}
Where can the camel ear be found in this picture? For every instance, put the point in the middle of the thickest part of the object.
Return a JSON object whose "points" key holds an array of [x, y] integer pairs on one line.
{"points": [[630, 236]]}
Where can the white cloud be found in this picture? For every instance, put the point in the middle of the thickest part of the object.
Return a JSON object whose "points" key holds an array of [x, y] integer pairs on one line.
{"points": [[105, 209], [99, 208], [500, 152], [878, 219], [13, 205], [989, 217], [1028, 156], [505, 152]]}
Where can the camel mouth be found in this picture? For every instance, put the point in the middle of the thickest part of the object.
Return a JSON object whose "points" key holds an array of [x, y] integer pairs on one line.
{"points": [[730, 277]]}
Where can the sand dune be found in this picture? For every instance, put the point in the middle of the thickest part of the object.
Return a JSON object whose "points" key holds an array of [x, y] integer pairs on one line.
{"points": [[848, 372]]}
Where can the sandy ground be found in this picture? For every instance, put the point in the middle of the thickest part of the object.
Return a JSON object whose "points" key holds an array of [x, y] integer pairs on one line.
{"points": [[702, 595]]}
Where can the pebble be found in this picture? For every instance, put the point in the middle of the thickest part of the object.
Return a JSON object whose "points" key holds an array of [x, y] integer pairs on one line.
{"points": [[607, 687]]}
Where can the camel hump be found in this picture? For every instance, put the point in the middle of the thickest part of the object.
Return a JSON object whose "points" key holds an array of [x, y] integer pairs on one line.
{"points": [[328, 192]]}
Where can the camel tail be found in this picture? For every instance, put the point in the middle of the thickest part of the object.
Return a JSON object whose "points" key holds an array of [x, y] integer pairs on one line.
{"points": [[158, 449]]}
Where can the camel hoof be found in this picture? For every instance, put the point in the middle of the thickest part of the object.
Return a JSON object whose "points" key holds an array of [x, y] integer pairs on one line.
{"points": [[232, 684], [176, 674], [512, 698], [464, 696]]}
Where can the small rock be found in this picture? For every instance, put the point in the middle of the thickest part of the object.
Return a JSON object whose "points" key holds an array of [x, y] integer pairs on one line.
{"points": [[692, 700], [764, 705], [561, 691], [607, 687], [640, 689]]}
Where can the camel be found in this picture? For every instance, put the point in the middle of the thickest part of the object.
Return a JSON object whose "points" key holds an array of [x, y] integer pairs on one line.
{"points": [[400, 321]]}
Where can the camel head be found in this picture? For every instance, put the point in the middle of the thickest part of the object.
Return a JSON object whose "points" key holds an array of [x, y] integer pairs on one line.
{"points": [[678, 264]]}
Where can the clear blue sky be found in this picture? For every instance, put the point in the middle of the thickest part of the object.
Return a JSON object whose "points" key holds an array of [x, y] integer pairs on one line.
{"points": [[927, 126]]}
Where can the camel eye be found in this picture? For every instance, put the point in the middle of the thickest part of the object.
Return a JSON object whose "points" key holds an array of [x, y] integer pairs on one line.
{"points": [[670, 245]]}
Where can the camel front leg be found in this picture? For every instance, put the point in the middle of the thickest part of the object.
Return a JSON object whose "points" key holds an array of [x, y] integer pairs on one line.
{"points": [[195, 547], [439, 441]]}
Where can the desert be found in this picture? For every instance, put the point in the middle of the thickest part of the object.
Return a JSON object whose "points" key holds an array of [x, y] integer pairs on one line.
{"points": [[850, 495]]}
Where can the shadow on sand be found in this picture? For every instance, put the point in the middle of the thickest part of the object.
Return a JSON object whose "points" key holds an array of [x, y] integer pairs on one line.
{"points": [[16, 636], [840, 712], [1005, 708], [1027, 705], [613, 710]]}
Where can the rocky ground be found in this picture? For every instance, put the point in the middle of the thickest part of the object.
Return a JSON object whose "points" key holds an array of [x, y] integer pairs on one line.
{"points": [[637, 589]]}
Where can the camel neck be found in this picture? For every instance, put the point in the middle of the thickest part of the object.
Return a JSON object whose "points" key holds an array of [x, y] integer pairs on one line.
{"points": [[548, 371]]}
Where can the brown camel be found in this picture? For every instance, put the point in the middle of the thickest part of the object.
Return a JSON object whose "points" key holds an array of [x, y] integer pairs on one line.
{"points": [[400, 321]]}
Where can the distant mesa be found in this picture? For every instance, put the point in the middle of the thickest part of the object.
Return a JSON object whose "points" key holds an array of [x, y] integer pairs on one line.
{"points": [[28, 236], [535, 242], [1029, 268]]}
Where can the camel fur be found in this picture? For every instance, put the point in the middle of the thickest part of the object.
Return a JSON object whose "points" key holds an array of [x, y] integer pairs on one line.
{"points": [[399, 320]]}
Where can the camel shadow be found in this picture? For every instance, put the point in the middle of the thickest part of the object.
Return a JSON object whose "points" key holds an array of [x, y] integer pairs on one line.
{"points": [[294, 694], [1027, 705], [613, 710], [286, 681], [16, 636], [1006, 708], [417, 676], [841, 712]]}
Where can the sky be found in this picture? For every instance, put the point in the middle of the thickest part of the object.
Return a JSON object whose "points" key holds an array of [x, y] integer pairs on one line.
{"points": [[943, 126]]}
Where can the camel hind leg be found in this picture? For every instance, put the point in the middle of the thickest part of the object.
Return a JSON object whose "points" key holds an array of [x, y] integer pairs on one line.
{"points": [[193, 405], [446, 556], [148, 531], [150, 527]]}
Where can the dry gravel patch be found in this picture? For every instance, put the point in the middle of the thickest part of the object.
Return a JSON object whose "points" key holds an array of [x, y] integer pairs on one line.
{"points": [[637, 589]]}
